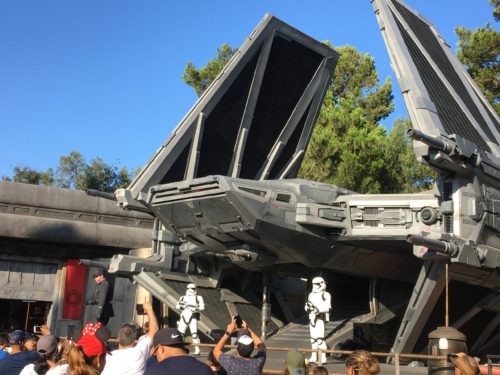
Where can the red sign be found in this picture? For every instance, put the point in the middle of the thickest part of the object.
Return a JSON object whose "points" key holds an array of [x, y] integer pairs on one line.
{"points": [[74, 289]]}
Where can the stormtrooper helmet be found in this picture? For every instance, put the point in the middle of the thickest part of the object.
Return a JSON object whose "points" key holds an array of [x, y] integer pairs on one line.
{"points": [[318, 285], [191, 289]]}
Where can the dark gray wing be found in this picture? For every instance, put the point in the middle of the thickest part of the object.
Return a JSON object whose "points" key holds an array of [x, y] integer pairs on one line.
{"points": [[255, 119], [440, 96]]}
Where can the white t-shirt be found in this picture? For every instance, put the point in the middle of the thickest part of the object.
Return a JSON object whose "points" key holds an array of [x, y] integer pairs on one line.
{"points": [[59, 370], [130, 361]]}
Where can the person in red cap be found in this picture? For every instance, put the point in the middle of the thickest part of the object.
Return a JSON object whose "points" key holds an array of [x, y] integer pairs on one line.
{"points": [[89, 355]]}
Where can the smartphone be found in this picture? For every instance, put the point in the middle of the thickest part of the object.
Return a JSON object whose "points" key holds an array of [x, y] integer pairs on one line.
{"points": [[37, 329], [139, 308], [238, 321], [70, 331]]}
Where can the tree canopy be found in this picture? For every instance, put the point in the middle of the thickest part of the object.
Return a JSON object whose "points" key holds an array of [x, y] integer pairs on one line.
{"points": [[75, 173], [349, 147], [200, 79], [479, 51]]}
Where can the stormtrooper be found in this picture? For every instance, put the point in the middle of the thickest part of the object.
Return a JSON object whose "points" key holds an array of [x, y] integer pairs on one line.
{"points": [[190, 306], [318, 307]]}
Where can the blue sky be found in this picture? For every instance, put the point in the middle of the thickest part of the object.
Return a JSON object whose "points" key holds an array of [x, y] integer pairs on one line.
{"points": [[104, 77]]}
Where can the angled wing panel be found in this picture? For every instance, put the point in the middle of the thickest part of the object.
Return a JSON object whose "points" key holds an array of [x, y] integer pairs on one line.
{"points": [[440, 96], [269, 94]]}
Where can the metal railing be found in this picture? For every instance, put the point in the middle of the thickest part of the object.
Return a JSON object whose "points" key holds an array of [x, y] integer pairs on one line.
{"points": [[397, 356], [490, 359]]}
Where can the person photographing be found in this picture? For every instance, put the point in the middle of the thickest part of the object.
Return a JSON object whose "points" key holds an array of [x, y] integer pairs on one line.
{"points": [[243, 362]]}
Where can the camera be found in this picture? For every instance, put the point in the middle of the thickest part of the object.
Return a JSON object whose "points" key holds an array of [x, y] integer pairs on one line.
{"points": [[37, 329], [139, 308]]}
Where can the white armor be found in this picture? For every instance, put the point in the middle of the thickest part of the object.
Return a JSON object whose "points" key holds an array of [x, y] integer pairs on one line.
{"points": [[190, 305], [318, 307]]}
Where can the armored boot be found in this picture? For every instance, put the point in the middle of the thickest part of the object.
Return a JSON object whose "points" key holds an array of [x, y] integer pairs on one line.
{"points": [[196, 341], [323, 346], [314, 355]]}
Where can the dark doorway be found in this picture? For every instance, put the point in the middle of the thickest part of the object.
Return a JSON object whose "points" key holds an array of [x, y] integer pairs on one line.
{"points": [[24, 315]]}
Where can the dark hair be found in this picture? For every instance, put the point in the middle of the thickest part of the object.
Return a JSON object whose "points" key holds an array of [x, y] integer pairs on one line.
{"points": [[41, 365], [127, 335], [4, 339], [245, 350], [32, 338]]}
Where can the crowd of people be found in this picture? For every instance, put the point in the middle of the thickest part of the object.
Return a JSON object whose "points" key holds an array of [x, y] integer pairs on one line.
{"points": [[164, 351]]}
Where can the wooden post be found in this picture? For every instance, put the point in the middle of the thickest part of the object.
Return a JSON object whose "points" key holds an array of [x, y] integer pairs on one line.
{"points": [[27, 317], [447, 316]]}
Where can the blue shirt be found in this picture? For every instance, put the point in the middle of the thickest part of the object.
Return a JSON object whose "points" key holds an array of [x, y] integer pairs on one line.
{"points": [[13, 364]]}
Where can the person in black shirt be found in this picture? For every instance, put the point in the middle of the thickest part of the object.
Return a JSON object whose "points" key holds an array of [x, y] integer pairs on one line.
{"points": [[172, 356], [101, 299]]}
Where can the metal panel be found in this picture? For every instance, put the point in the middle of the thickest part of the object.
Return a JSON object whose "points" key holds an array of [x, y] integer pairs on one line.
{"points": [[244, 111], [428, 72], [27, 280]]}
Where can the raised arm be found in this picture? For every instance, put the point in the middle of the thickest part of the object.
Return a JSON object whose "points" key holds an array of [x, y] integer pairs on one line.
{"points": [[153, 322], [231, 327]]}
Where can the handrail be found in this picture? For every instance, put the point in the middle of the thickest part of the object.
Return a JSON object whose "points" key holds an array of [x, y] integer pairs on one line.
{"points": [[397, 356]]}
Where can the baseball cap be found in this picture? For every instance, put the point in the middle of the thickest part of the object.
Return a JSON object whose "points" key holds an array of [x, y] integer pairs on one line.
{"points": [[17, 337], [465, 363], [168, 337], [295, 362], [47, 344], [89, 342], [245, 344], [244, 337]]}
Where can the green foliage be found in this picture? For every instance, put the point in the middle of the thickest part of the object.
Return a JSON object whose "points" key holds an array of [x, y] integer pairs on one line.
{"points": [[200, 79], [70, 170], [103, 177], [28, 175], [355, 77], [347, 145], [405, 173], [349, 148], [479, 51], [496, 11], [73, 172]]}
